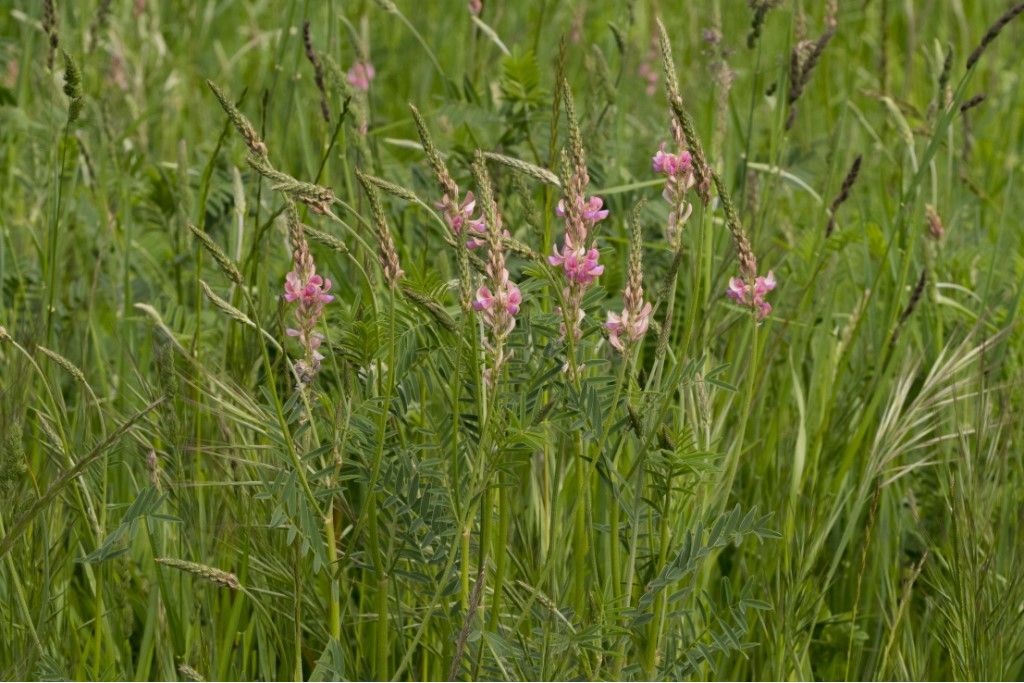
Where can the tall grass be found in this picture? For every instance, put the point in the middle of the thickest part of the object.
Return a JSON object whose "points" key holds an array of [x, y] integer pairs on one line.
{"points": [[463, 486]]}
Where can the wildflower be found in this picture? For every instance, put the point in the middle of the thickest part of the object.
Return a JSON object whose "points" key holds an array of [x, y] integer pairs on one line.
{"points": [[360, 75], [680, 178], [588, 209], [580, 267], [309, 291], [498, 300], [475, 7], [744, 293], [630, 326], [459, 217], [578, 258]]}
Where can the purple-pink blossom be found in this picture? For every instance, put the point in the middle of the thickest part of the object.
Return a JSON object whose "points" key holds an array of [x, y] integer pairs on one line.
{"points": [[669, 163], [309, 292], [475, 7], [590, 210], [360, 75], [744, 293], [580, 266], [628, 326]]}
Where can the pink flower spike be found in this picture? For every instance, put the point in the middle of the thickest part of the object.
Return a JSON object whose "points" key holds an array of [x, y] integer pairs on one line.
{"points": [[475, 7]]}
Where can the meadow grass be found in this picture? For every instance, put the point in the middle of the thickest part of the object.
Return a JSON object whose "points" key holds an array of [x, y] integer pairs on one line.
{"points": [[450, 463]]}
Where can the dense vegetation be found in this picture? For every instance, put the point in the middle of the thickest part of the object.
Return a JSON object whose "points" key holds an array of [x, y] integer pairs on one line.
{"points": [[715, 375]]}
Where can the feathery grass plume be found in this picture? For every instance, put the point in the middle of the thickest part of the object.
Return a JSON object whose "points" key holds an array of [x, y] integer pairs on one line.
{"points": [[318, 69], [224, 306], [394, 189], [579, 156], [316, 197], [212, 574], [441, 173], [993, 32], [190, 673], [972, 103], [744, 254], [241, 123], [393, 272], [802, 62], [226, 264], [844, 194], [49, 24], [760, 9], [435, 309], [630, 326], [72, 87], [526, 168], [309, 291], [326, 239], [71, 369], [498, 299]]}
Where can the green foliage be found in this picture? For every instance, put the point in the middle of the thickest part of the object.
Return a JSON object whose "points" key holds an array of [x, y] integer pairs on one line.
{"points": [[831, 493]]}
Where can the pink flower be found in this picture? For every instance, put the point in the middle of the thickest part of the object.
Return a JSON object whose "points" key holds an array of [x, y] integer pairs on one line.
{"points": [[475, 7], [579, 266], [360, 75], [312, 292], [671, 164], [742, 292], [590, 210], [631, 325]]}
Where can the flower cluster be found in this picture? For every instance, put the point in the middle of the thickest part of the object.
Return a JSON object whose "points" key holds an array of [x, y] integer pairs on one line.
{"points": [[360, 75], [578, 258], [677, 167], [304, 287], [631, 325], [753, 295], [459, 216], [498, 299]]}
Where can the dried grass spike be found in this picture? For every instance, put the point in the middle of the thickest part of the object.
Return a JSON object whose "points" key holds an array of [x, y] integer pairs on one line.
{"points": [[217, 576]]}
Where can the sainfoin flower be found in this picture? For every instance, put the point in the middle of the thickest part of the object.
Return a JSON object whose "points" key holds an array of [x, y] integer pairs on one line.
{"points": [[360, 75], [459, 216], [497, 299], [630, 326], [309, 292], [577, 257], [677, 167], [753, 295]]}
